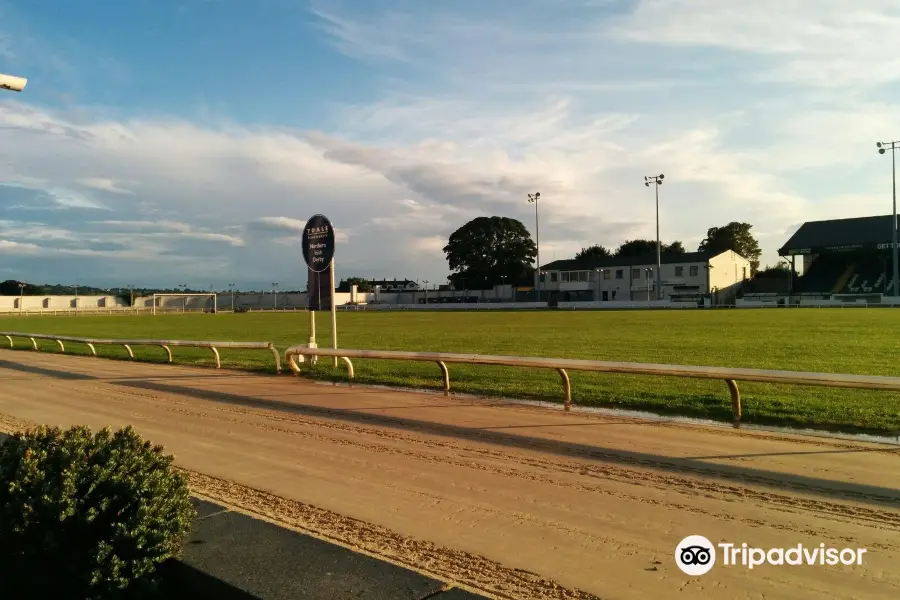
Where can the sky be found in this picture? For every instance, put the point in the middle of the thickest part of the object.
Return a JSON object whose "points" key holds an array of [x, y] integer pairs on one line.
{"points": [[166, 142]]}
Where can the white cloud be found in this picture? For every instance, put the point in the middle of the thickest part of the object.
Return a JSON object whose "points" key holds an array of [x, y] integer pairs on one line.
{"points": [[477, 105], [106, 185], [828, 43]]}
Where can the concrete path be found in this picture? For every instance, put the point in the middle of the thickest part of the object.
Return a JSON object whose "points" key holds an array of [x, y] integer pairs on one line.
{"points": [[514, 501]]}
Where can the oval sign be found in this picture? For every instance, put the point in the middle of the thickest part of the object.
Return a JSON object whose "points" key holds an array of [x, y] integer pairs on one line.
{"points": [[318, 243]]}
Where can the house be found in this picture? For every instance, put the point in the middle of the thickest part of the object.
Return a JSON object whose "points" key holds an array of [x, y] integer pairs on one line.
{"points": [[684, 277]]}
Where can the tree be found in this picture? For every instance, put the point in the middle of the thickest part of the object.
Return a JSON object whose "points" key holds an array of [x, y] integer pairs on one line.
{"points": [[675, 247], [642, 248], [734, 236], [10, 287], [362, 285], [488, 251], [592, 253]]}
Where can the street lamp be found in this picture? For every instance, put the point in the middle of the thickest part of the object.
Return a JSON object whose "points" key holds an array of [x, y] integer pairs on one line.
{"points": [[21, 297], [425, 281], [275, 291], [231, 287], [537, 236], [895, 281], [657, 180]]}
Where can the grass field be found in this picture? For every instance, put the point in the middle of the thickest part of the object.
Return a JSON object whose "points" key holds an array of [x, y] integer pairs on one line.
{"points": [[859, 341]]}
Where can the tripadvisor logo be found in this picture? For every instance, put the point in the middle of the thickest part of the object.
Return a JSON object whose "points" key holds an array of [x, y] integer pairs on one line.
{"points": [[695, 555]]}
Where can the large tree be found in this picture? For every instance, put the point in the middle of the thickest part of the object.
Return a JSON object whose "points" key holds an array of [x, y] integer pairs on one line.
{"points": [[593, 252], [642, 248], [734, 236], [488, 251]]}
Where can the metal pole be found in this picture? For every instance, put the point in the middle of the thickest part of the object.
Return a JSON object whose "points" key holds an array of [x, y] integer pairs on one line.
{"points": [[896, 278], [658, 249], [21, 298], [333, 316], [537, 235]]}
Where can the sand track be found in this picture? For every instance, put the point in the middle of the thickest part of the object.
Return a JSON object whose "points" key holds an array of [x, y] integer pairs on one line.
{"points": [[517, 501]]}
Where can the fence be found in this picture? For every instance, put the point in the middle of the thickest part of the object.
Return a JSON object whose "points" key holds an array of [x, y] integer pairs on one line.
{"points": [[166, 345], [727, 374]]}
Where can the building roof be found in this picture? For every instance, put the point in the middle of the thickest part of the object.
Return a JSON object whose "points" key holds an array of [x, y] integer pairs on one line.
{"points": [[574, 264], [836, 235]]}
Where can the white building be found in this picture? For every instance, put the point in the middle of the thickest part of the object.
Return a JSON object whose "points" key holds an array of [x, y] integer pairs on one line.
{"points": [[684, 277]]}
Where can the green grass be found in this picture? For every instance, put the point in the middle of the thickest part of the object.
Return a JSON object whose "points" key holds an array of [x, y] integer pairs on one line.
{"points": [[859, 341]]}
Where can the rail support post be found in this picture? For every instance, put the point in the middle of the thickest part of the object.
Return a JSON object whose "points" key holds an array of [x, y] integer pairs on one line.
{"points": [[128, 349], [445, 374], [92, 349], [168, 352], [277, 357], [291, 360], [735, 401], [61, 347], [33, 343], [216, 356], [567, 389], [9, 338], [349, 364]]}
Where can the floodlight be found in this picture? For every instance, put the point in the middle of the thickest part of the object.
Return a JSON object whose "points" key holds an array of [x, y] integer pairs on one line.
{"points": [[881, 151], [878, 144], [647, 183]]}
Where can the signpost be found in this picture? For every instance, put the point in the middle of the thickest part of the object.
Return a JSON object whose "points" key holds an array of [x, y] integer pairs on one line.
{"points": [[318, 252]]}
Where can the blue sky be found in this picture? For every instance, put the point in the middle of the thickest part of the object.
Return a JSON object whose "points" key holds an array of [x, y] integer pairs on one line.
{"points": [[163, 142]]}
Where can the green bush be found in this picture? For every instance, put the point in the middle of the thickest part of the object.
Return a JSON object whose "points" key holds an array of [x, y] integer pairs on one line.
{"points": [[87, 516]]}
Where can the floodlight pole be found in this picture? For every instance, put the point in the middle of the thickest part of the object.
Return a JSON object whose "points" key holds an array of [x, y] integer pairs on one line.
{"points": [[537, 236], [657, 181], [895, 281], [21, 297]]}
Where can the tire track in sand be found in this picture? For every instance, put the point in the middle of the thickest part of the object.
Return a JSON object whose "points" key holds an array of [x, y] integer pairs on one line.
{"points": [[462, 568]]}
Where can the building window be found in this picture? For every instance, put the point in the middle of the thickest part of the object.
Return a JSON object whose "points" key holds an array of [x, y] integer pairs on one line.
{"points": [[635, 273], [543, 277], [584, 276], [606, 275], [554, 276], [679, 271], [620, 274], [695, 270], [745, 272], [649, 273], [565, 277]]}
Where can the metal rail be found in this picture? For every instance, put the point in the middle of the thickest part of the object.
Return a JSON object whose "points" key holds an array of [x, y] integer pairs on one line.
{"points": [[166, 345], [727, 374]]}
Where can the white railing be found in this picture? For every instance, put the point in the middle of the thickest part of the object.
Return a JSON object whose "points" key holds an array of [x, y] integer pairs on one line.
{"points": [[727, 374], [166, 345]]}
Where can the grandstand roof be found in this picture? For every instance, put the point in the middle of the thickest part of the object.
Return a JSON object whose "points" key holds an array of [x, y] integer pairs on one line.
{"points": [[574, 264], [840, 235]]}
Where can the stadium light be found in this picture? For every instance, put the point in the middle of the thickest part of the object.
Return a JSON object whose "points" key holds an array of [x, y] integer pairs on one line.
{"points": [[537, 236], [657, 180], [275, 292], [895, 280], [21, 296]]}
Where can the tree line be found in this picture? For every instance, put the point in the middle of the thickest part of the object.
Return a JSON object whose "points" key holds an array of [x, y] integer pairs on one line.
{"points": [[490, 251]]}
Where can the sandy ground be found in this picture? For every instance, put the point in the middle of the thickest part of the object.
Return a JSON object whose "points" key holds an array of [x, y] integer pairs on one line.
{"points": [[517, 501]]}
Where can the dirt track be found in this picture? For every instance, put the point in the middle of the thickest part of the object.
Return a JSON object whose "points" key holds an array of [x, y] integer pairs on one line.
{"points": [[521, 502]]}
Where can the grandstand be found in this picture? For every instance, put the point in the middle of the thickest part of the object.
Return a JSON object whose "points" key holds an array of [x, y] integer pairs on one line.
{"points": [[843, 259]]}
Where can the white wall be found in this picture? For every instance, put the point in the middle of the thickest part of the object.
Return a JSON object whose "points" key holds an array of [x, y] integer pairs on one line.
{"points": [[57, 303], [727, 274]]}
